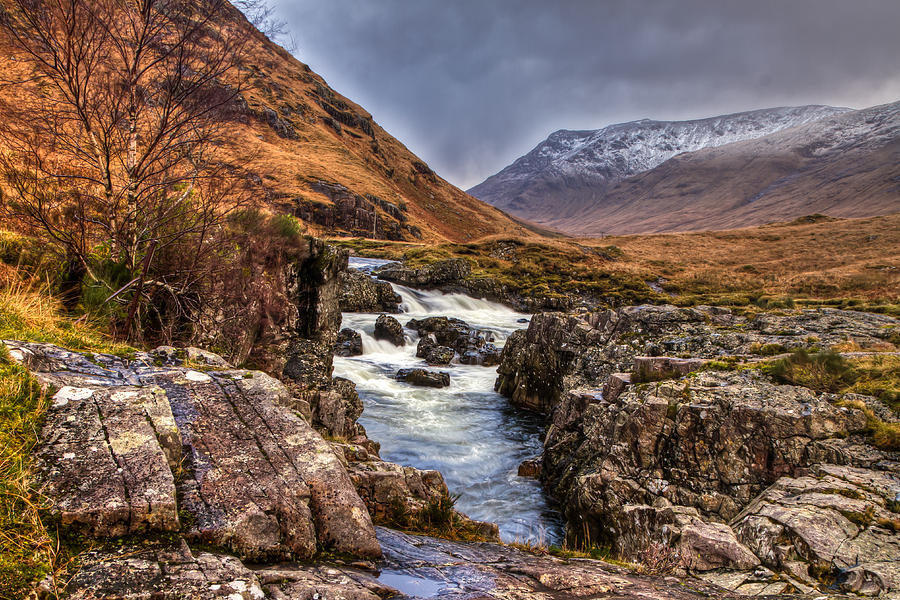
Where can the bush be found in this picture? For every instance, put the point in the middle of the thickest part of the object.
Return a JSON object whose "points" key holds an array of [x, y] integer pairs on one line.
{"points": [[825, 371]]}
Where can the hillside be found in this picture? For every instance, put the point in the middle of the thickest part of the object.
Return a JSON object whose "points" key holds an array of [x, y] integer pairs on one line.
{"points": [[845, 166], [572, 170], [313, 153], [817, 160]]}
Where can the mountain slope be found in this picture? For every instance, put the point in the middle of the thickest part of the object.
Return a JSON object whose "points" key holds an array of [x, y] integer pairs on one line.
{"points": [[847, 165], [572, 170], [314, 153]]}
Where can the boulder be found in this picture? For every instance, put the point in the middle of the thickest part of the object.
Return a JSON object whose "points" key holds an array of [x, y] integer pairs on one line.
{"points": [[349, 343], [439, 355], [253, 477], [423, 377], [452, 271], [359, 292], [388, 328], [487, 355], [473, 345]]}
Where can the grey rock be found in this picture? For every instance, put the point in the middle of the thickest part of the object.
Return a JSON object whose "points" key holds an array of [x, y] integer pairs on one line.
{"points": [[361, 293], [254, 477]]}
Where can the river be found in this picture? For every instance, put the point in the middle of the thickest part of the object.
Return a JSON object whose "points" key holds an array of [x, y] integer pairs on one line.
{"points": [[468, 432]]}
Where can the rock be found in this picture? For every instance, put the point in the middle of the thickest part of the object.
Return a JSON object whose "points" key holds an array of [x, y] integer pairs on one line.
{"points": [[530, 468], [334, 411], [424, 378], [349, 343], [487, 355], [655, 368], [361, 293], [835, 521], [418, 566], [615, 385], [473, 345], [711, 442], [453, 271], [388, 328], [252, 476], [439, 355], [172, 571], [560, 352]]}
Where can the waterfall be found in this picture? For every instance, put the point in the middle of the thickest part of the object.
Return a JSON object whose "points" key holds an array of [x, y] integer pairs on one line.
{"points": [[467, 431]]}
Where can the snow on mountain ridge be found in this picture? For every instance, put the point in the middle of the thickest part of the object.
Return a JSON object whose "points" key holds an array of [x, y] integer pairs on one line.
{"points": [[625, 149]]}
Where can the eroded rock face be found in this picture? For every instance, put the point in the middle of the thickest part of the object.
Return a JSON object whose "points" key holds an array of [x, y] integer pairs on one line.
{"points": [[713, 442], [388, 328], [253, 476], [361, 293], [560, 352]]}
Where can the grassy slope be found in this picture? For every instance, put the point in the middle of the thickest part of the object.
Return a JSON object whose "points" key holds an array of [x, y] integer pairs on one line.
{"points": [[813, 258], [362, 156], [365, 162]]}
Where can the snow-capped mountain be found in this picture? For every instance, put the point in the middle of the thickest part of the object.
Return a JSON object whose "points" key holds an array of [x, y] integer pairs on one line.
{"points": [[586, 163], [846, 165]]}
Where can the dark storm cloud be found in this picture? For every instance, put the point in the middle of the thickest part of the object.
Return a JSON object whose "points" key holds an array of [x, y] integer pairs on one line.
{"points": [[470, 85]]}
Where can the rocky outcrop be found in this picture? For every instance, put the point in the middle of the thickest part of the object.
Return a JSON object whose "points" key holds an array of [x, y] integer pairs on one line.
{"points": [[413, 567], [560, 352], [129, 446], [442, 334], [424, 377], [840, 522], [725, 469], [447, 272], [361, 293], [731, 471], [388, 328], [356, 215], [349, 343]]}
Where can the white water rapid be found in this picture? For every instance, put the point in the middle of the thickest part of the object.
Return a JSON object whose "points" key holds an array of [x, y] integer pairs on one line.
{"points": [[468, 432]]}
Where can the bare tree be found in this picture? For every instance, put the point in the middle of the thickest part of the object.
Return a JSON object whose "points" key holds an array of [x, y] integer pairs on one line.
{"points": [[112, 136], [262, 15]]}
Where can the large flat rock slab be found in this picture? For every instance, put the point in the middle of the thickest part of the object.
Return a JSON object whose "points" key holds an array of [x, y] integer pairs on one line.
{"points": [[102, 464], [149, 444]]}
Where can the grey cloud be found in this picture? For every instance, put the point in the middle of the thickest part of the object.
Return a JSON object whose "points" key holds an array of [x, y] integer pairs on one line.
{"points": [[470, 85]]}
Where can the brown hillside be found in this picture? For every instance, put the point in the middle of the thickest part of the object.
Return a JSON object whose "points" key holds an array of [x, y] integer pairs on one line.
{"points": [[314, 153]]}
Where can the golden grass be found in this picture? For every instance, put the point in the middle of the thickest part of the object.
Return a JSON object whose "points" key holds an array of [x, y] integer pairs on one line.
{"points": [[29, 547], [848, 263]]}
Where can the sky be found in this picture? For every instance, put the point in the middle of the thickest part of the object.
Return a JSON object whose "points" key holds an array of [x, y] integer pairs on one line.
{"points": [[471, 85]]}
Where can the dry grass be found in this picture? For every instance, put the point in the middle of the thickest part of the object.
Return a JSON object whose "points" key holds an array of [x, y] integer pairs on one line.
{"points": [[849, 263], [29, 547]]}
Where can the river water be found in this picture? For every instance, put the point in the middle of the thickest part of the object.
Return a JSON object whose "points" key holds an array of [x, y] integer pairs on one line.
{"points": [[468, 432]]}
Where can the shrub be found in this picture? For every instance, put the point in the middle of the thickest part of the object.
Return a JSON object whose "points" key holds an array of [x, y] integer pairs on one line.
{"points": [[824, 371]]}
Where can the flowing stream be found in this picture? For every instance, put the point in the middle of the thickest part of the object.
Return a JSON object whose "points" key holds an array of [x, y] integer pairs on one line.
{"points": [[468, 432]]}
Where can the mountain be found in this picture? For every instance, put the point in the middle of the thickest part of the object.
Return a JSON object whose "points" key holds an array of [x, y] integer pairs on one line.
{"points": [[574, 172], [847, 165], [318, 155]]}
